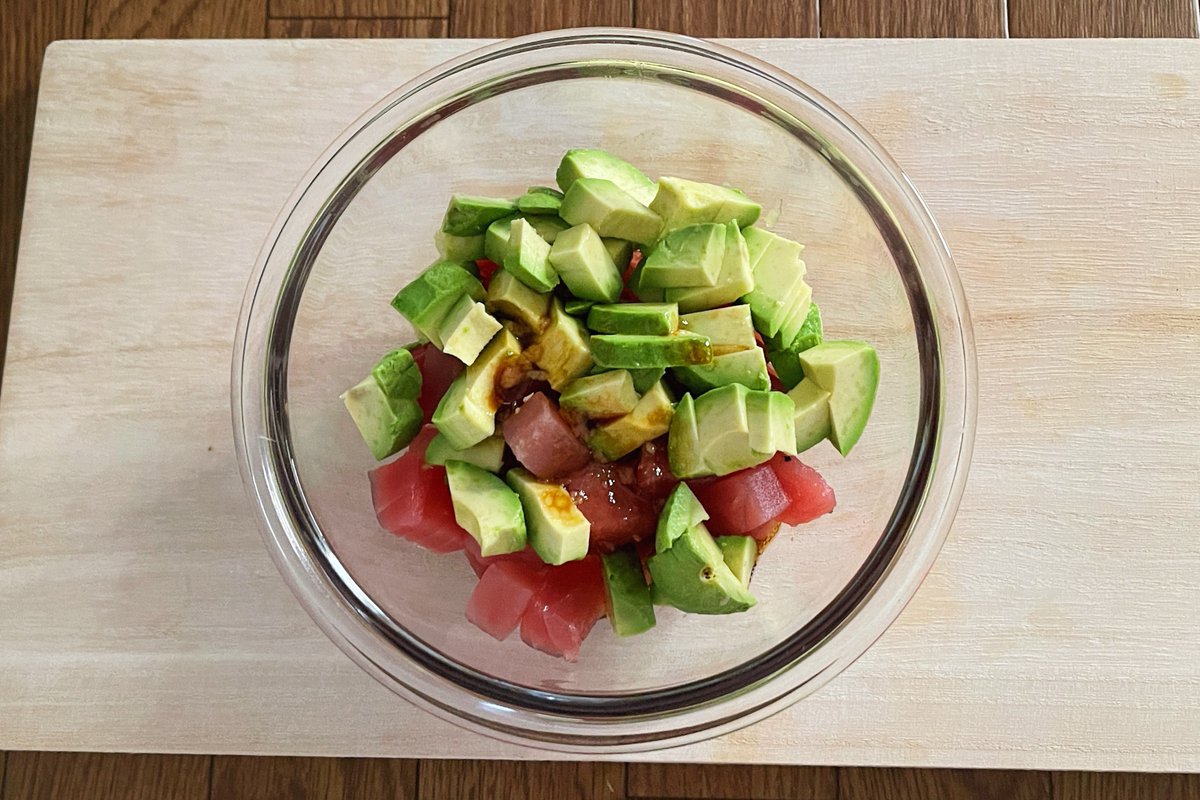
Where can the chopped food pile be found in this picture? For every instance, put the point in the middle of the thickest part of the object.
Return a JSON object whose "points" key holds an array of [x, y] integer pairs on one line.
{"points": [[604, 412]]}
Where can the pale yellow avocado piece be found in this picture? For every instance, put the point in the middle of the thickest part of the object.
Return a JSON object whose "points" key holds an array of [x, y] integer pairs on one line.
{"points": [[650, 418], [467, 329], [508, 297], [466, 414], [562, 351]]}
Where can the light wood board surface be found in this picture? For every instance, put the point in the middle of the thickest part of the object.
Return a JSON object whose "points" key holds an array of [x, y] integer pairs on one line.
{"points": [[1057, 630]]}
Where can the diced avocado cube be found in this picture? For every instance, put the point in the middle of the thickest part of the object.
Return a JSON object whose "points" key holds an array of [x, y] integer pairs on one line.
{"points": [[508, 297], [734, 280], [740, 553], [548, 227], [811, 332], [655, 319], [772, 422], [723, 428], [590, 163], [811, 422], [849, 371], [682, 202], [683, 442], [747, 367], [387, 424], [729, 329], [562, 351], [643, 379], [610, 211], [649, 419], [466, 414], [495, 240], [608, 394], [680, 512], [689, 256], [619, 250], [693, 577], [577, 308], [557, 529], [581, 260], [488, 454], [459, 248], [427, 299], [647, 294], [539, 200], [528, 257], [486, 508], [793, 322], [785, 356], [778, 271], [467, 329], [470, 216], [398, 375], [632, 351], [630, 607]]}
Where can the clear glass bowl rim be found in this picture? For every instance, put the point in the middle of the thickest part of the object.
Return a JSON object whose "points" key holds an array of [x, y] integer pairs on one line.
{"points": [[609, 724]]}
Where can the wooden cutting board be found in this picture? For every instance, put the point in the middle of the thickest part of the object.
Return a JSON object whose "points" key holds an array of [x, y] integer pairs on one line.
{"points": [[1058, 629]]}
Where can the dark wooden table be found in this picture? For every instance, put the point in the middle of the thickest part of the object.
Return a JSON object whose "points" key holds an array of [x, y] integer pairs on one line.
{"points": [[29, 25]]}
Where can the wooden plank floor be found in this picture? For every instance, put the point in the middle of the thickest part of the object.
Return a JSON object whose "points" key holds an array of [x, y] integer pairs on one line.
{"points": [[29, 25]]}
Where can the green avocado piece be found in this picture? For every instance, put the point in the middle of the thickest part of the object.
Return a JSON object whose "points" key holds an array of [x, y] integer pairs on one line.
{"points": [[562, 350], [467, 329], [528, 257], [683, 442], [747, 367], [398, 375], [495, 240], [649, 419], [733, 281], [610, 211], [466, 414], [539, 200], [772, 422], [688, 256], [387, 424], [740, 553], [849, 371], [812, 414], [591, 163], [647, 294], [548, 227], [576, 307], [558, 530], [630, 607], [723, 429], [785, 356], [634, 351], [657, 319], [800, 302], [778, 272], [488, 454], [427, 299], [643, 379], [486, 508], [581, 260], [681, 511], [729, 329], [468, 215], [811, 333], [608, 394], [508, 297], [459, 248], [619, 250], [693, 577], [682, 202]]}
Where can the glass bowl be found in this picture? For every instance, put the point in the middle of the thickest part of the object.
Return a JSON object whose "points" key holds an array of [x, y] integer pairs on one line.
{"points": [[316, 317]]}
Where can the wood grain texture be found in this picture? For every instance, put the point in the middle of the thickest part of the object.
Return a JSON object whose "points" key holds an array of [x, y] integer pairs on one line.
{"points": [[358, 8], [535, 780], [498, 18], [912, 18], [105, 776], [1089, 18], [729, 17], [943, 784], [194, 19], [1124, 786], [152, 617], [32, 24], [256, 778], [349, 28], [732, 782]]}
